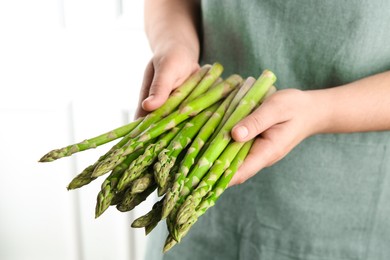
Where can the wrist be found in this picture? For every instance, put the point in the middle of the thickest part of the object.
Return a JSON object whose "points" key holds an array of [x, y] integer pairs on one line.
{"points": [[322, 112], [191, 50]]}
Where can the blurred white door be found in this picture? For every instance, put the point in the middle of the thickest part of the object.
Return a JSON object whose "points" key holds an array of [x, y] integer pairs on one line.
{"points": [[69, 70]]}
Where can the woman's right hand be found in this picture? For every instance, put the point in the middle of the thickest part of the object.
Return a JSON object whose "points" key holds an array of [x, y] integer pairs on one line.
{"points": [[169, 68]]}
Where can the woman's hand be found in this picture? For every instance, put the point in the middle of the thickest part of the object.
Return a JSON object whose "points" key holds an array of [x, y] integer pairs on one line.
{"points": [[172, 30], [168, 69], [289, 116], [279, 124]]}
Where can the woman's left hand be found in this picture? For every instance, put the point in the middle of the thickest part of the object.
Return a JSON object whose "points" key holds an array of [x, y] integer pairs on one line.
{"points": [[282, 121]]}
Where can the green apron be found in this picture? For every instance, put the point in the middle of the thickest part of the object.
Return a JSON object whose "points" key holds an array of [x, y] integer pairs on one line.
{"points": [[330, 197]]}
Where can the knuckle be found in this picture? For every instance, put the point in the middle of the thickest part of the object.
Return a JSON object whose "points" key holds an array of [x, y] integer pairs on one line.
{"points": [[155, 88], [255, 123]]}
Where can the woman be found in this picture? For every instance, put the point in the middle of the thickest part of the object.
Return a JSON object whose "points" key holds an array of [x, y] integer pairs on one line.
{"points": [[322, 141]]}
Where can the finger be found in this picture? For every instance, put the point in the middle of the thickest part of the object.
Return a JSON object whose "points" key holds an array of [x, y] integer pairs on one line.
{"points": [[265, 116], [270, 147], [144, 91], [261, 155], [163, 82]]}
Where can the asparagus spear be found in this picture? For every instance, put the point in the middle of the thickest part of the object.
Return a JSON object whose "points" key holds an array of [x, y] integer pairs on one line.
{"points": [[213, 195], [181, 231], [108, 187], [82, 178], [150, 220], [221, 140], [167, 157], [85, 176], [218, 167], [206, 184], [142, 183], [189, 159], [208, 80], [174, 100], [223, 182], [149, 228], [172, 202], [90, 143], [244, 88], [191, 109], [184, 184], [169, 243], [161, 190], [130, 200], [138, 166], [147, 219]]}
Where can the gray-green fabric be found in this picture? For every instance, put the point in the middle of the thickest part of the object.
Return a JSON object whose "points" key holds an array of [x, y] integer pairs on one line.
{"points": [[329, 199]]}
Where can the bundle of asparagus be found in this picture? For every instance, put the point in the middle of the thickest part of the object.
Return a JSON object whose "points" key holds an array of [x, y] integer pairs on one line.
{"points": [[183, 150]]}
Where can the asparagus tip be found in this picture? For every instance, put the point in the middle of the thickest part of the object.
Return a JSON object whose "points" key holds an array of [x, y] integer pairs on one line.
{"points": [[46, 158], [99, 212], [169, 243]]}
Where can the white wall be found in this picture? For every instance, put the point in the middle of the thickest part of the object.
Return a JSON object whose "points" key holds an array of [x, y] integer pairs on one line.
{"points": [[69, 70]]}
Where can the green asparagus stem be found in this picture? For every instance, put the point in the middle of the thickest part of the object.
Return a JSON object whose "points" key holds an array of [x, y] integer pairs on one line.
{"points": [[169, 243], [117, 198], [186, 142], [167, 157], [143, 123], [197, 84], [219, 166], [90, 143], [213, 195], [174, 100], [146, 159], [177, 195], [189, 158], [223, 182], [191, 109], [217, 82], [108, 187], [142, 183], [207, 81], [83, 178], [162, 190], [244, 88], [221, 140], [149, 218], [184, 228], [206, 184], [149, 228], [130, 201]]}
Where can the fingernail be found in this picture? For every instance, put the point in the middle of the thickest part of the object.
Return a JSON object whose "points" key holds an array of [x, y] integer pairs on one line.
{"points": [[148, 99], [241, 131]]}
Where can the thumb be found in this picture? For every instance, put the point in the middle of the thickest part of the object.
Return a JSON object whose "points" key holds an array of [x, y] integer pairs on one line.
{"points": [[162, 84], [257, 122]]}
